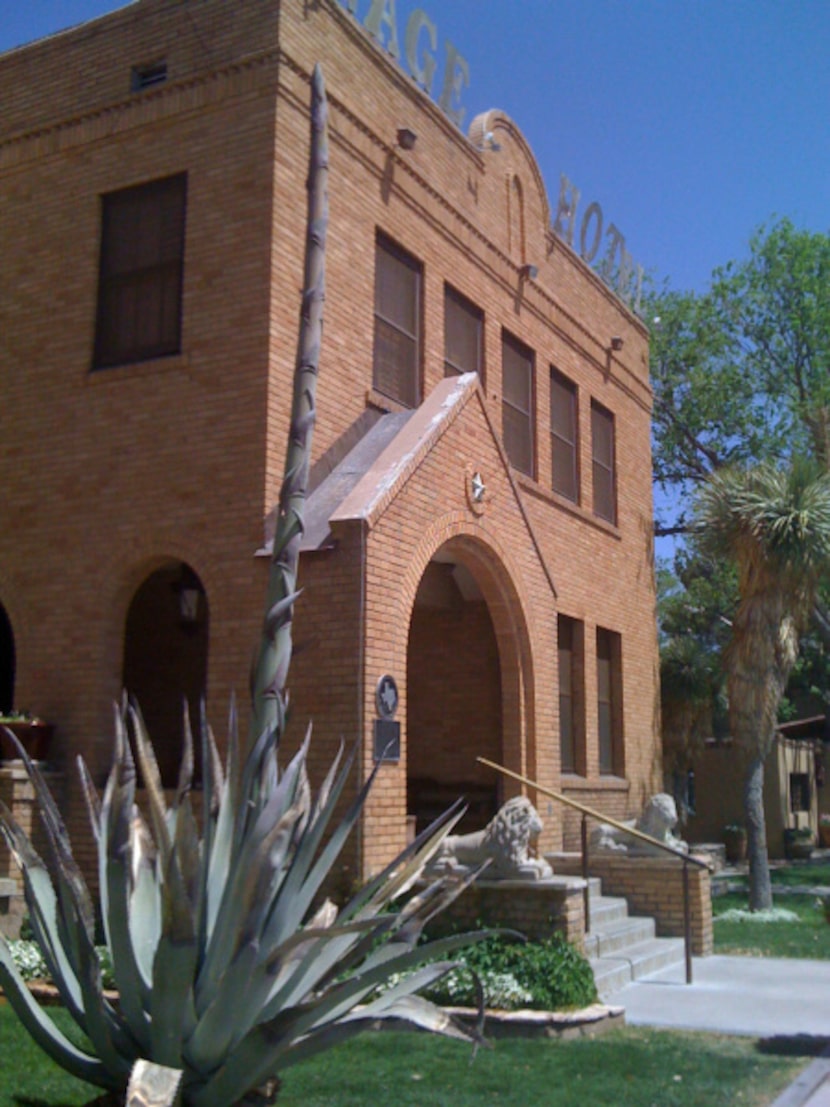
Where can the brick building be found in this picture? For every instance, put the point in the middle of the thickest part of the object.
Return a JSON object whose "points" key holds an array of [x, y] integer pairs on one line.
{"points": [[480, 525]]}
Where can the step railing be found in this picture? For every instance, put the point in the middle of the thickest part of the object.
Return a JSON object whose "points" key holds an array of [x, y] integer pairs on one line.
{"points": [[590, 813]]}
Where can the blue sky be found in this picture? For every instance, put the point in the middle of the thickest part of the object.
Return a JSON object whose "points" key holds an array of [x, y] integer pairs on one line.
{"points": [[690, 122]]}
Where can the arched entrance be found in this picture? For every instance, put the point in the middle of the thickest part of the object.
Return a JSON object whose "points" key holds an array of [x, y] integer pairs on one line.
{"points": [[7, 662], [462, 672], [165, 659]]}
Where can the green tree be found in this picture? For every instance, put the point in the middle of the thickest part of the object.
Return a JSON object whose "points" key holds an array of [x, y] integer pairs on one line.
{"points": [[741, 373], [777, 307], [774, 524], [741, 377], [695, 601]]}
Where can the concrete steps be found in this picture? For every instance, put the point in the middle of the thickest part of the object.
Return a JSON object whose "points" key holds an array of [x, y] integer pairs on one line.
{"points": [[622, 948]]}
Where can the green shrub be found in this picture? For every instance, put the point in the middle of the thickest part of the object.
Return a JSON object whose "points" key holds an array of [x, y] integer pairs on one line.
{"points": [[550, 975]]}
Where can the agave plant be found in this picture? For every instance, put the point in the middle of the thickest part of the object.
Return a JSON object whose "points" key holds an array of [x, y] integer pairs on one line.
{"points": [[228, 966], [224, 968]]}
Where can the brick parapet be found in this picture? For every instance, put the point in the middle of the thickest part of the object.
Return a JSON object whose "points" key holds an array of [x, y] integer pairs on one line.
{"points": [[653, 886], [535, 909]]}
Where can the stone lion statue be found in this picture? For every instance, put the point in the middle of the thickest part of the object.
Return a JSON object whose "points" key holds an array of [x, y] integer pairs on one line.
{"points": [[658, 820], [504, 842]]}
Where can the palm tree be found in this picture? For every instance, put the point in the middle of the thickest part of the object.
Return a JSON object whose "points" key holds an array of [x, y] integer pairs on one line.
{"points": [[774, 523]]}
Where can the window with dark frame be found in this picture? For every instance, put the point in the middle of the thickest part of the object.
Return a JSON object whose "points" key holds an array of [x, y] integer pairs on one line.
{"points": [[571, 639], [141, 270], [564, 436], [463, 326], [396, 362], [800, 798], [517, 403], [604, 469], [609, 702]]}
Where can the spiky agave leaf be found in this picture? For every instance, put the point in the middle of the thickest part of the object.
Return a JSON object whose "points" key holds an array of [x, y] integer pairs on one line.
{"points": [[45, 1032]]}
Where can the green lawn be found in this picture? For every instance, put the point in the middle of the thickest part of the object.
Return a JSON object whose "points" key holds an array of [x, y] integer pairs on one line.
{"points": [[630, 1067], [809, 937], [803, 872]]}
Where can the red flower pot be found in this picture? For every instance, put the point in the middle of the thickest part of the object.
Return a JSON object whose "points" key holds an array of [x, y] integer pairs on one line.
{"points": [[34, 737]]}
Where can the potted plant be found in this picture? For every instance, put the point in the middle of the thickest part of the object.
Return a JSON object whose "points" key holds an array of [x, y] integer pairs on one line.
{"points": [[32, 732], [798, 843], [824, 831], [734, 838]]}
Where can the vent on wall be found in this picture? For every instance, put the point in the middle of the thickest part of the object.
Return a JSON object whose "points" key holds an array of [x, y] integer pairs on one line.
{"points": [[146, 76]]}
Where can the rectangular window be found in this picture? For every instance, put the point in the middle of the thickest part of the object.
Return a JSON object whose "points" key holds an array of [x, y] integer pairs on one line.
{"points": [[609, 702], [563, 436], [602, 452], [463, 325], [571, 638], [141, 272], [396, 366], [517, 403], [800, 792]]}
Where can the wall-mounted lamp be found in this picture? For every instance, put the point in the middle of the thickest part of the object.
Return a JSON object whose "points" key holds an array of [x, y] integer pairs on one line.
{"points": [[188, 588], [488, 142], [406, 138], [616, 343], [529, 272]]}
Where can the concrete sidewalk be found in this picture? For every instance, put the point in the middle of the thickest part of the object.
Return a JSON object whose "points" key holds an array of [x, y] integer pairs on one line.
{"points": [[754, 996]]}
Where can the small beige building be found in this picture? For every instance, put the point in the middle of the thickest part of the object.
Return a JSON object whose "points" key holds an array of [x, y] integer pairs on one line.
{"points": [[795, 791]]}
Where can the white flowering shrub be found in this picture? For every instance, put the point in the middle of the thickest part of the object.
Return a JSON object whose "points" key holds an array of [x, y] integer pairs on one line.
{"points": [[457, 989], [501, 989], [28, 960], [30, 963], [767, 915]]}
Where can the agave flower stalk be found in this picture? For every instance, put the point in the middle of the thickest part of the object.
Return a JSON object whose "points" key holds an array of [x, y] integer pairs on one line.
{"points": [[271, 666], [228, 967]]}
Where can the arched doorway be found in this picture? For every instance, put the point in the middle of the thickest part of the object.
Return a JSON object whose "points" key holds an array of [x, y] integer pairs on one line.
{"points": [[454, 695], [165, 659], [7, 662]]}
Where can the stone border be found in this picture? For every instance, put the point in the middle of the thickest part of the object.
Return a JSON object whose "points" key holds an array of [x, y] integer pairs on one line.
{"points": [[48, 995], [586, 1022]]}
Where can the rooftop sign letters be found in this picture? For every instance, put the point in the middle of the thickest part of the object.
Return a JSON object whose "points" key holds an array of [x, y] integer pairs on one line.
{"points": [[420, 44], [612, 262], [616, 266]]}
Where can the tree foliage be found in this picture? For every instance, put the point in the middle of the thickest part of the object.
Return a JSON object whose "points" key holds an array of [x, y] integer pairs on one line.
{"points": [[773, 523], [741, 372], [741, 378]]}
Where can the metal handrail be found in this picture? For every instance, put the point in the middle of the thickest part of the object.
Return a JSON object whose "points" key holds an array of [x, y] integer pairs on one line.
{"points": [[589, 812]]}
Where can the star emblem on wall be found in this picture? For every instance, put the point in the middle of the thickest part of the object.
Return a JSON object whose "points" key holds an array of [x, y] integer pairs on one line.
{"points": [[478, 495]]}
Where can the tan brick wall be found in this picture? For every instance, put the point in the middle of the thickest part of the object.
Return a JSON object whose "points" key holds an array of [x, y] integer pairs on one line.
{"points": [[534, 910], [109, 475], [654, 887], [18, 794]]}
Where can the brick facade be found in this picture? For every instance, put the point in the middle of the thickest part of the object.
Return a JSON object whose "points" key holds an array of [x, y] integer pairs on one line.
{"points": [[111, 476]]}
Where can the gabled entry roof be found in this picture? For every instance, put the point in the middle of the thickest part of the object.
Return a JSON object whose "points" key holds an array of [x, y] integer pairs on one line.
{"points": [[391, 469], [372, 473]]}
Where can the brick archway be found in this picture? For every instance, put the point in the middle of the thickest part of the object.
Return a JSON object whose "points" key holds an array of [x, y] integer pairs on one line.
{"points": [[7, 662], [469, 675], [165, 657]]}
